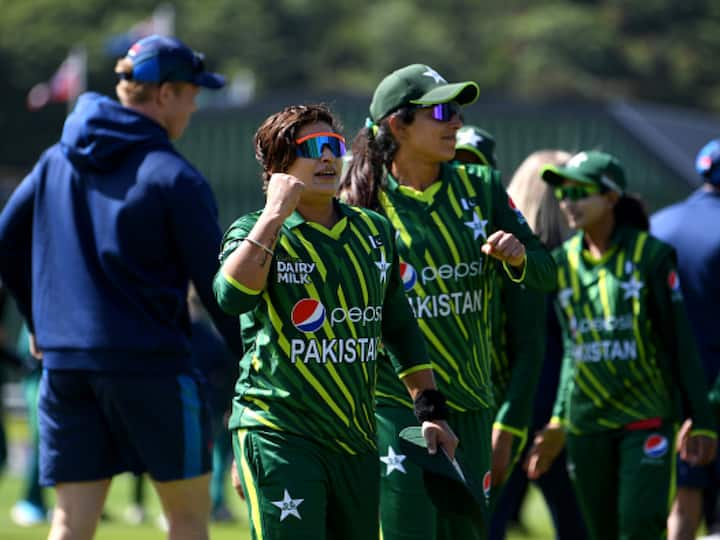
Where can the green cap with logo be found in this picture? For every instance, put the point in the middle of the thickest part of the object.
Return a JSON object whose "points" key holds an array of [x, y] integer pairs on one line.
{"points": [[448, 483], [478, 142], [591, 167], [418, 84]]}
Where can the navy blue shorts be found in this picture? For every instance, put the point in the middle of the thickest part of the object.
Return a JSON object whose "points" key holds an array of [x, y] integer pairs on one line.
{"points": [[702, 477], [95, 425]]}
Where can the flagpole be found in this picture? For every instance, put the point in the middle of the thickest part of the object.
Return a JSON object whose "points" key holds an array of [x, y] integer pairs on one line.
{"points": [[163, 19], [79, 53]]}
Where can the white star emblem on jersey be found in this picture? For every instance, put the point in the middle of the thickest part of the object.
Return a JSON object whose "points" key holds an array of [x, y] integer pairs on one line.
{"points": [[478, 226], [468, 138], [288, 506], [632, 288], [430, 72], [383, 266], [393, 461]]}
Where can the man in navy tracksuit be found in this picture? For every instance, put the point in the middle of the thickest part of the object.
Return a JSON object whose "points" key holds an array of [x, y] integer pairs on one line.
{"points": [[691, 228], [98, 245]]}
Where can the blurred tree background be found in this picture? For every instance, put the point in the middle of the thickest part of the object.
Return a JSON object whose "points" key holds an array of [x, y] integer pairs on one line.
{"points": [[657, 50]]}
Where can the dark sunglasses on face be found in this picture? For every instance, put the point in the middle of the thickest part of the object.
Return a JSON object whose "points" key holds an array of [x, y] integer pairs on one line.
{"points": [[575, 193], [312, 146], [443, 112]]}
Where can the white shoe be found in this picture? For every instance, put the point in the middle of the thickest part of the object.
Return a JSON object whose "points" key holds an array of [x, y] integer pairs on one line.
{"points": [[27, 514]]}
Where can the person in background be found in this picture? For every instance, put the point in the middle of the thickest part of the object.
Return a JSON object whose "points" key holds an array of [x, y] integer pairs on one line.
{"points": [[455, 229], [9, 364], [98, 245], [691, 228], [630, 366], [216, 367], [475, 145], [317, 286], [538, 204], [517, 339], [30, 509]]}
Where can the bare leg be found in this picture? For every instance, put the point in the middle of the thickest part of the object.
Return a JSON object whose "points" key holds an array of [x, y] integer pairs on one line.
{"points": [[78, 507], [685, 515], [186, 504]]}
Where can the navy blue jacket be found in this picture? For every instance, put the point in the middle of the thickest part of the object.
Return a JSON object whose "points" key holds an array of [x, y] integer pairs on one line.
{"points": [[691, 227], [99, 241]]}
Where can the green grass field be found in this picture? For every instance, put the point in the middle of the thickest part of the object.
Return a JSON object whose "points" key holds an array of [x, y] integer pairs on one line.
{"points": [[535, 516]]}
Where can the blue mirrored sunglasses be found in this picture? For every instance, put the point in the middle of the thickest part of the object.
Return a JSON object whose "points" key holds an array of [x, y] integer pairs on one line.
{"points": [[444, 112], [312, 146]]}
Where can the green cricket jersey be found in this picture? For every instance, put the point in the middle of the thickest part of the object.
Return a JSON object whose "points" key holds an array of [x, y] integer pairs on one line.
{"points": [[447, 278], [629, 353], [518, 334], [312, 334]]}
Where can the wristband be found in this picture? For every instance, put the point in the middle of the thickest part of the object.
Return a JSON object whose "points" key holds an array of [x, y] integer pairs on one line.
{"points": [[261, 246], [430, 405]]}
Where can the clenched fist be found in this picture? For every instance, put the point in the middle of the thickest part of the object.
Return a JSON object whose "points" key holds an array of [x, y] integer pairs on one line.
{"points": [[283, 194]]}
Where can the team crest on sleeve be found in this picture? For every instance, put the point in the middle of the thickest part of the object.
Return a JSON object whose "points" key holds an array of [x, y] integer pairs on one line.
{"points": [[673, 281], [308, 315], [228, 248], [521, 219]]}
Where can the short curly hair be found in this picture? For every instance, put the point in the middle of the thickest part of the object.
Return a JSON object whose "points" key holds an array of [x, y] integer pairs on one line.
{"points": [[274, 140]]}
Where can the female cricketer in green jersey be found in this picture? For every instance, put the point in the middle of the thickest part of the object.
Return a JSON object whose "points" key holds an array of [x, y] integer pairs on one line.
{"points": [[518, 337], [630, 369], [317, 286], [451, 221]]}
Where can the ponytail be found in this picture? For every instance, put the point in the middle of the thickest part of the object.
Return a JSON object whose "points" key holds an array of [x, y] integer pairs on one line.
{"points": [[630, 211], [373, 151]]}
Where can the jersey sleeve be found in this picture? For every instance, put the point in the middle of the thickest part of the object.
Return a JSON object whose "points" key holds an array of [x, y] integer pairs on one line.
{"points": [[525, 338], [668, 310], [539, 271], [232, 296], [400, 331], [567, 371], [559, 414]]}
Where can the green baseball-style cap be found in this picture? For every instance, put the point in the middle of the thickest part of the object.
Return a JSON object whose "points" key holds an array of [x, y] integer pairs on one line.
{"points": [[448, 482], [591, 167], [478, 142], [418, 84]]}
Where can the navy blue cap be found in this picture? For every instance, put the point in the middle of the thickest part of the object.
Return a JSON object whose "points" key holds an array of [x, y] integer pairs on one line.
{"points": [[159, 59], [707, 162]]}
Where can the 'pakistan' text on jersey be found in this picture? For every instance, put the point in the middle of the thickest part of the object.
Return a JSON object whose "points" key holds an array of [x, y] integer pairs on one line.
{"points": [[312, 335], [628, 351], [447, 278]]}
